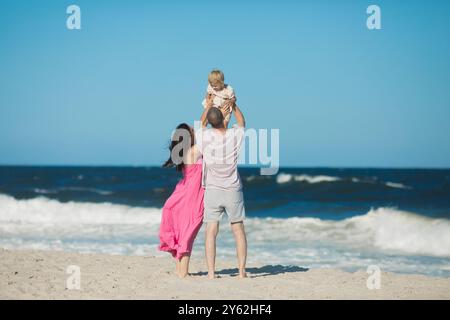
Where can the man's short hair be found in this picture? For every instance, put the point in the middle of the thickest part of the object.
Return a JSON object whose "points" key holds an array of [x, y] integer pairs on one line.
{"points": [[215, 117]]}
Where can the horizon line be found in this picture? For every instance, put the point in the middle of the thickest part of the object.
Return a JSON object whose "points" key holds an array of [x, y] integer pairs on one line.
{"points": [[239, 166]]}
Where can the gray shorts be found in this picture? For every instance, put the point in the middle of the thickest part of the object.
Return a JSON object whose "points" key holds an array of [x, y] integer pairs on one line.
{"points": [[219, 201]]}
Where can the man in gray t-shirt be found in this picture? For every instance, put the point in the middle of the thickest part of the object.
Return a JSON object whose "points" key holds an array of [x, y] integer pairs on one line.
{"points": [[220, 148]]}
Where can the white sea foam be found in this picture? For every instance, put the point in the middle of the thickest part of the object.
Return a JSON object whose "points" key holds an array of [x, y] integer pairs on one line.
{"points": [[382, 229], [44, 191], [397, 185], [42, 223], [47, 211], [285, 177], [256, 177], [99, 191], [81, 189]]}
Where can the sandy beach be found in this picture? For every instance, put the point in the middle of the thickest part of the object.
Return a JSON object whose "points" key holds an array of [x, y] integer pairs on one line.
{"points": [[43, 275]]}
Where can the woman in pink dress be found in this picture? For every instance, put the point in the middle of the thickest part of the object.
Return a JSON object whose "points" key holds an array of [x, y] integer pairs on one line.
{"points": [[182, 214]]}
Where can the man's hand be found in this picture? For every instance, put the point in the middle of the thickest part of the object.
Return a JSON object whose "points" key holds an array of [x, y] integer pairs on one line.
{"points": [[225, 111], [227, 107], [209, 100]]}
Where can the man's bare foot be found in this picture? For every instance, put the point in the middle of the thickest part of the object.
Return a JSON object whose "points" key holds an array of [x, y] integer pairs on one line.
{"points": [[242, 275], [211, 275]]}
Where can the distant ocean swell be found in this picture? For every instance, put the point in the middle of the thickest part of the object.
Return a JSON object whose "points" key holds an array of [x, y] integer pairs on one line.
{"points": [[280, 179], [286, 178]]}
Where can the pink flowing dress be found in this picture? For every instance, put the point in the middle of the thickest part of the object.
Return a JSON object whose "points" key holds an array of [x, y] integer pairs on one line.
{"points": [[182, 214]]}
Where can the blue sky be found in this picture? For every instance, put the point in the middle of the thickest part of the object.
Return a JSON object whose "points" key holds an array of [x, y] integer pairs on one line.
{"points": [[112, 92]]}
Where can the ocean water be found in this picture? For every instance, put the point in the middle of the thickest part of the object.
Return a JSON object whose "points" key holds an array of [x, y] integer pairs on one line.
{"points": [[398, 219]]}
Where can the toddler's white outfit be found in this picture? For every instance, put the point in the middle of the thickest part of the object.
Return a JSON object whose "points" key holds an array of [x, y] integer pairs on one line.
{"points": [[219, 97]]}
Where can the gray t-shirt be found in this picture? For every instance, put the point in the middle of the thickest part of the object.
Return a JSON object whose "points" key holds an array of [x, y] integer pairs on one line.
{"points": [[220, 157]]}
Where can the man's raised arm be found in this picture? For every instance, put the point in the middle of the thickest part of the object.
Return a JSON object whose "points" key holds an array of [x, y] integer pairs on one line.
{"points": [[203, 118], [239, 116], [208, 104]]}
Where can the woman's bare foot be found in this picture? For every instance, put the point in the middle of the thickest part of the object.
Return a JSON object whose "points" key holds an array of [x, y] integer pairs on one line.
{"points": [[242, 275], [183, 266]]}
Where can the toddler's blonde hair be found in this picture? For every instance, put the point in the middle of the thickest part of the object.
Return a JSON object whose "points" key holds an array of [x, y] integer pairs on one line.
{"points": [[216, 77]]}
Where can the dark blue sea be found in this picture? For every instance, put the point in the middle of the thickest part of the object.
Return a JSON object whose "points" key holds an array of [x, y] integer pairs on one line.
{"points": [[397, 219]]}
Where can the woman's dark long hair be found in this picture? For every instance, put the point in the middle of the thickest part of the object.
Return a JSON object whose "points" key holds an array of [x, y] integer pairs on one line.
{"points": [[178, 138]]}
